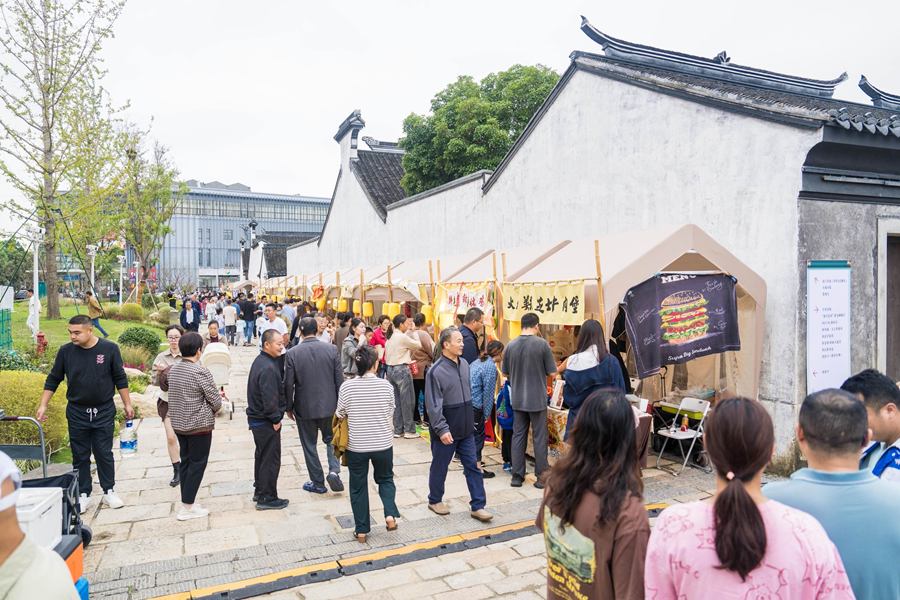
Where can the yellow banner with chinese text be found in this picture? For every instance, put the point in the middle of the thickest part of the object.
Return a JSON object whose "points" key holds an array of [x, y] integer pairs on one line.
{"points": [[555, 304]]}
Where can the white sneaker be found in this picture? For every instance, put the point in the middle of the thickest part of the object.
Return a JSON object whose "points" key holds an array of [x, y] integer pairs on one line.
{"points": [[411, 436], [398, 435], [112, 500], [84, 503], [196, 512]]}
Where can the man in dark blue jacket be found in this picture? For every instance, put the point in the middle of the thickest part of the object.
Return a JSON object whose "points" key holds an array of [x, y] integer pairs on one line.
{"points": [[448, 400], [470, 329], [265, 410]]}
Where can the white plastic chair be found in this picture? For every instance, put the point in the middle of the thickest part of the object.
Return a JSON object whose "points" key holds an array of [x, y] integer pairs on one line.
{"points": [[674, 432]]}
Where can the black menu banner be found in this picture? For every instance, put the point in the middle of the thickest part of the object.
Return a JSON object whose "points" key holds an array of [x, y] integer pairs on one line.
{"points": [[673, 318]]}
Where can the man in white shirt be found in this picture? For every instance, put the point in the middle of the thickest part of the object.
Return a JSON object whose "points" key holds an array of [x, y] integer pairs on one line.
{"points": [[34, 309], [272, 322], [229, 313], [27, 571]]}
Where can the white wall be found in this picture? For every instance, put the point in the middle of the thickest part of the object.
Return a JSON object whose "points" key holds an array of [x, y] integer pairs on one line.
{"points": [[608, 156]]}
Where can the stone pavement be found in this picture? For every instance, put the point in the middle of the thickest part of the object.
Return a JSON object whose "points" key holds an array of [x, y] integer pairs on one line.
{"points": [[515, 569], [142, 551]]}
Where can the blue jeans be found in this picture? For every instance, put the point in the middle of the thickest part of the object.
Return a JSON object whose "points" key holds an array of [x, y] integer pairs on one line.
{"points": [[248, 331], [441, 455], [96, 323]]}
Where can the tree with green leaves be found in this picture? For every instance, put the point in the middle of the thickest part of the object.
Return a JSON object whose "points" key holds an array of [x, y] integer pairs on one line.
{"points": [[16, 264], [49, 73], [472, 125], [149, 195]]}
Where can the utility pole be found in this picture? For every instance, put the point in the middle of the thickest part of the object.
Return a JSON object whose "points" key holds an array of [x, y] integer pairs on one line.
{"points": [[92, 252], [121, 259], [35, 235]]}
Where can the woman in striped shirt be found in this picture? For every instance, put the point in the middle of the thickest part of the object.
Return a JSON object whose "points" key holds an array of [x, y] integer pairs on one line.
{"points": [[367, 402]]}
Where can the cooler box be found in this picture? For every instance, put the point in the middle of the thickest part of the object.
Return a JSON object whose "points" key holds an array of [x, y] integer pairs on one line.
{"points": [[40, 514]]}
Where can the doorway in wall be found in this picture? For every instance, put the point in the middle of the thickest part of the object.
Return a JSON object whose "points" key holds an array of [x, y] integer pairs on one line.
{"points": [[892, 353]]}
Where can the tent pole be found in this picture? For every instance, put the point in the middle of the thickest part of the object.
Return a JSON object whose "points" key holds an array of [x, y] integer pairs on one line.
{"points": [[434, 328], [390, 286], [303, 290], [600, 287], [362, 295]]}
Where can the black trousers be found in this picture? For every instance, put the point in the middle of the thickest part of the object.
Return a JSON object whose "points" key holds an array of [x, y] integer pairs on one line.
{"points": [[194, 456], [479, 433], [91, 431], [383, 471], [506, 445], [419, 386], [267, 463]]}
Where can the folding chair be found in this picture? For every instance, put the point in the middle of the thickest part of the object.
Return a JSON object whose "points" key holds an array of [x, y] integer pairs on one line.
{"points": [[674, 432]]}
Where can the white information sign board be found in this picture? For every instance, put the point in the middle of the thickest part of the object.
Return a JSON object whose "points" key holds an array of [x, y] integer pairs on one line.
{"points": [[827, 324]]}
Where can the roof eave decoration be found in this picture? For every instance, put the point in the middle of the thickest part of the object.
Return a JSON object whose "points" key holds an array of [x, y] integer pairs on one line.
{"points": [[868, 122], [354, 121], [879, 98], [719, 67]]}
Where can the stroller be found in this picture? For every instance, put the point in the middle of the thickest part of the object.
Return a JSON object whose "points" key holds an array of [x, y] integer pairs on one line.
{"points": [[217, 358]]}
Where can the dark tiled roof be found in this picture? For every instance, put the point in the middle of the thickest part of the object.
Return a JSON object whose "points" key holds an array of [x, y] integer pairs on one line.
{"points": [[379, 174], [275, 250], [801, 109]]}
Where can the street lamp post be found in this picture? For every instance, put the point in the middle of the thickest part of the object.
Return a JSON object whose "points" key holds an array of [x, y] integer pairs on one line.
{"points": [[243, 242], [121, 259], [137, 281], [92, 252], [35, 235]]}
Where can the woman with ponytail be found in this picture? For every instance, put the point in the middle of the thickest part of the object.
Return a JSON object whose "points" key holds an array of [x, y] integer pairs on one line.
{"points": [[739, 544], [367, 402]]}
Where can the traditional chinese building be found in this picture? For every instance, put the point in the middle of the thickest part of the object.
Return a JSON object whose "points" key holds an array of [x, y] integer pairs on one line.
{"points": [[635, 137]]}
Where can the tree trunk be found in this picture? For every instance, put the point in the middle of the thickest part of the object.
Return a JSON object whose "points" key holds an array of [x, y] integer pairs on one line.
{"points": [[50, 270], [48, 193]]}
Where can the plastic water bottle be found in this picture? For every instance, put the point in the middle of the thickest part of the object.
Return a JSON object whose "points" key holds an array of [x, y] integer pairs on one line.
{"points": [[128, 440]]}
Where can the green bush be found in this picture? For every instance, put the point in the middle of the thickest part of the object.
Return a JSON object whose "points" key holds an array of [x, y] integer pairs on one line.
{"points": [[162, 316], [13, 361], [138, 383], [141, 337], [20, 396], [137, 357], [111, 309], [132, 311]]}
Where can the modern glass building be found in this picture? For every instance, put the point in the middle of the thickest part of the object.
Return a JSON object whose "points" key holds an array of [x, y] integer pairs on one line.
{"points": [[204, 248]]}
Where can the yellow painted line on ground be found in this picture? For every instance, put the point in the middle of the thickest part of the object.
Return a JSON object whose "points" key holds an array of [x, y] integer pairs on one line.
{"points": [[477, 534], [453, 539], [236, 585], [181, 596], [652, 506]]}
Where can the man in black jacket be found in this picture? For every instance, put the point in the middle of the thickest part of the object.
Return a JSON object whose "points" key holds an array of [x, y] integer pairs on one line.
{"points": [[470, 329], [312, 378], [265, 409]]}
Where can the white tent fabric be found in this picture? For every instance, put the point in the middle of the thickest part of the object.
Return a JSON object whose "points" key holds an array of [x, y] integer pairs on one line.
{"points": [[518, 261]]}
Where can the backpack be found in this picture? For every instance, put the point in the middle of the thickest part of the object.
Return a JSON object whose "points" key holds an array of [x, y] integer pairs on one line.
{"points": [[504, 408]]}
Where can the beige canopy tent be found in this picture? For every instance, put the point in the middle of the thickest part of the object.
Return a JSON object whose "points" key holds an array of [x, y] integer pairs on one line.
{"points": [[513, 262], [628, 258]]}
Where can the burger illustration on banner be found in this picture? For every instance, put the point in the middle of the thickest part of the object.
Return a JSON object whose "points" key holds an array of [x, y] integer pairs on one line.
{"points": [[684, 317]]}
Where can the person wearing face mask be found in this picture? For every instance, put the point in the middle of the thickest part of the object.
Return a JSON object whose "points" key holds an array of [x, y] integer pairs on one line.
{"points": [[27, 571], [163, 361], [355, 339]]}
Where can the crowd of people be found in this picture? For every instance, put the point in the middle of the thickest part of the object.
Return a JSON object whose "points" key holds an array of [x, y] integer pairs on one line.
{"points": [[831, 531]]}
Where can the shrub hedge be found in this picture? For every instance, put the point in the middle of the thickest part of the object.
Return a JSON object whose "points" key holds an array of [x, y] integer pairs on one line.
{"points": [[162, 317], [141, 337], [10, 361], [132, 311], [20, 396]]}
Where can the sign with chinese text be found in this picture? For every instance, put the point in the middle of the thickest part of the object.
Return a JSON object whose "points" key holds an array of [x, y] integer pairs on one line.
{"points": [[673, 318], [460, 299], [827, 324], [557, 304]]}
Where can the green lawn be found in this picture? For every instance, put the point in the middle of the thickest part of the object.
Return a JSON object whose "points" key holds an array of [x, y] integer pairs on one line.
{"points": [[56, 330]]}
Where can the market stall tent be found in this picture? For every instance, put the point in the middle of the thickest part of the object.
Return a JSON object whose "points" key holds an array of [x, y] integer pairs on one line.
{"points": [[518, 260], [628, 258]]}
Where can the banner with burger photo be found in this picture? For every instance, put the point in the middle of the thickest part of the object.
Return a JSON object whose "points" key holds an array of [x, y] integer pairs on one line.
{"points": [[675, 317]]}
